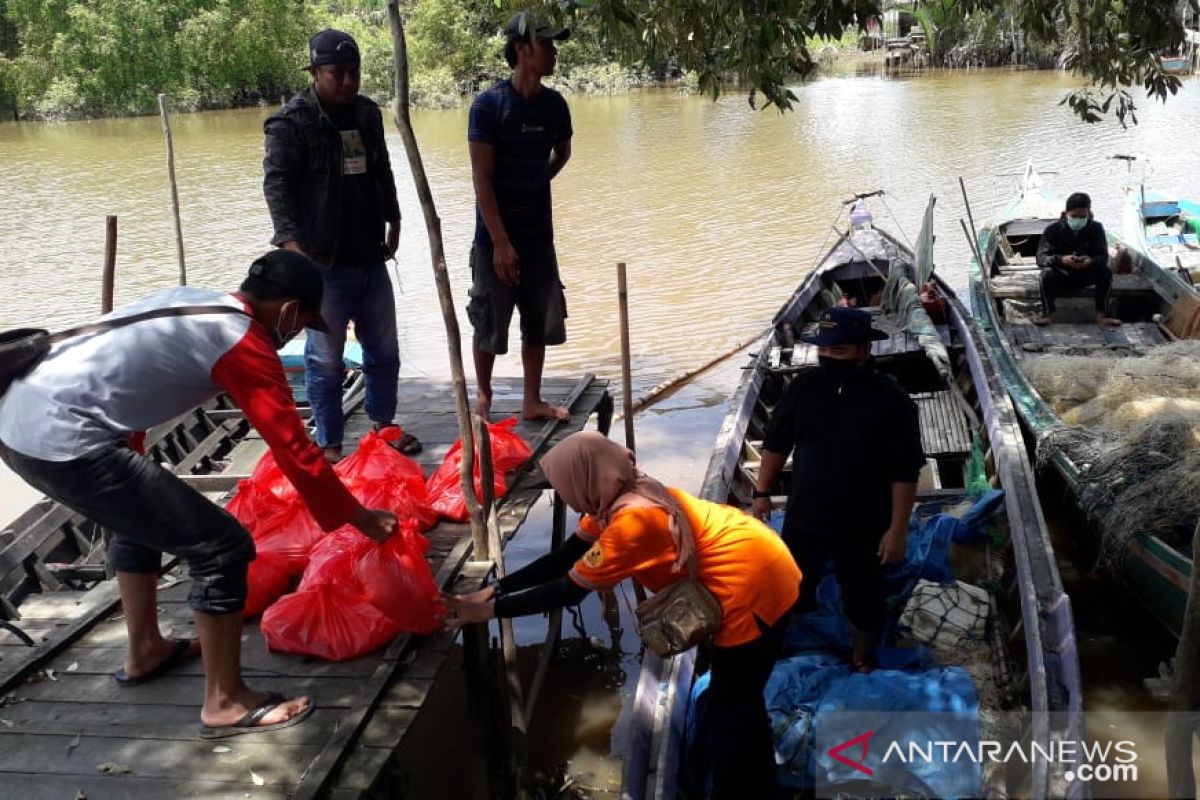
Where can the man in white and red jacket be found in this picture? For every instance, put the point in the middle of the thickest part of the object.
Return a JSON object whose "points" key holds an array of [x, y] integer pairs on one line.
{"points": [[73, 427]]}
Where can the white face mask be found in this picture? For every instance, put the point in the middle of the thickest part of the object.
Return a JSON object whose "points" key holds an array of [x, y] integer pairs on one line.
{"points": [[285, 330]]}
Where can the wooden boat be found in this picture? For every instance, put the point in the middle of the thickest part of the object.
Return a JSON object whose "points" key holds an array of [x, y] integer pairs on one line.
{"points": [[1156, 306], [1164, 229], [961, 399]]}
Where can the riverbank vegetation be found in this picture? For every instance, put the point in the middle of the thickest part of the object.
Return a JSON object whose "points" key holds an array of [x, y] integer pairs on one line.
{"points": [[64, 59]]}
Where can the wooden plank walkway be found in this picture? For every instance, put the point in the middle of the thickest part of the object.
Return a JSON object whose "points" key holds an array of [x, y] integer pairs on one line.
{"points": [[70, 717]]}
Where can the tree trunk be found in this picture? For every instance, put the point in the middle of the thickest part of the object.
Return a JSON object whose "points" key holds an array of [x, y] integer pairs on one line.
{"points": [[437, 252]]}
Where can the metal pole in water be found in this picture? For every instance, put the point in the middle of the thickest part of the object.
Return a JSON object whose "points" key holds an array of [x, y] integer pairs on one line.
{"points": [[110, 264], [166, 120], [626, 371]]}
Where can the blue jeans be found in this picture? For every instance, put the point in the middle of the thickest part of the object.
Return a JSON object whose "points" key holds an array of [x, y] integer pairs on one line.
{"points": [[364, 295]]}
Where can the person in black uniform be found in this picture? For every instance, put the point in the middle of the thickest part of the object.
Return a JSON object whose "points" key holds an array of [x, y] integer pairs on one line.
{"points": [[1073, 253], [856, 444]]}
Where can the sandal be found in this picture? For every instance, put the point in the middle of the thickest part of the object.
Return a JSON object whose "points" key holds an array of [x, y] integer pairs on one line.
{"points": [[407, 444], [182, 651], [249, 723]]}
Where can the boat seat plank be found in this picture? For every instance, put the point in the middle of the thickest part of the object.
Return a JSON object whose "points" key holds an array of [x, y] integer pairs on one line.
{"points": [[1026, 285], [944, 427]]}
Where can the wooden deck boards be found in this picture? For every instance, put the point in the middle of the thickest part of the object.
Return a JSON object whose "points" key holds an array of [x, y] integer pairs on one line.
{"points": [[1083, 338], [56, 731]]}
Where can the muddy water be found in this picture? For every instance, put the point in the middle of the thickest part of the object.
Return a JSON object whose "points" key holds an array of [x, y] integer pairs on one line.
{"points": [[718, 210]]}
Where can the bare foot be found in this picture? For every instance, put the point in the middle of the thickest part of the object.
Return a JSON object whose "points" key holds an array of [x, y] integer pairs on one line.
{"points": [[483, 406], [246, 702], [543, 410], [1043, 320], [1111, 322], [147, 659]]}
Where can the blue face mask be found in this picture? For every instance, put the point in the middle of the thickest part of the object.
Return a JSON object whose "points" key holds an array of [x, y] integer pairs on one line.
{"points": [[1077, 223]]}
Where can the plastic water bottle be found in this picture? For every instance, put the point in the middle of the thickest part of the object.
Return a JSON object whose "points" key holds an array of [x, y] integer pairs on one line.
{"points": [[860, 217]]}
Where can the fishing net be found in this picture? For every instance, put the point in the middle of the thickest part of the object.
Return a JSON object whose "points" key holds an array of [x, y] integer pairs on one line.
{"points": [[946, 616], [1132, 424]]}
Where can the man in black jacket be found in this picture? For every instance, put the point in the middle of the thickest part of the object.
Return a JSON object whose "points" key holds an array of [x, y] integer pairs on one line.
{"points": [[332, 196], [855, 440], [1073, 253]]}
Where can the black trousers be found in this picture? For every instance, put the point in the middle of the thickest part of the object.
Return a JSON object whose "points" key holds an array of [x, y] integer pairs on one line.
{"points": [[743, 749], [149, 510], [855, 556], [1055, 279]]}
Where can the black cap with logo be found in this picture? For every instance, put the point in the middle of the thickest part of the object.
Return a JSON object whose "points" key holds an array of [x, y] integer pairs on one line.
{"points": [[297, 275], [524, 25], [332, 47]]}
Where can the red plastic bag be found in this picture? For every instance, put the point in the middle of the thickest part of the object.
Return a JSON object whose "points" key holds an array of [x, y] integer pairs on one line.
{"points": [[444, 489], [331, 561], [267, 580], [278, 524], [269, 476], [379, 476], [509, 450], [328, 622], [397, 580]]}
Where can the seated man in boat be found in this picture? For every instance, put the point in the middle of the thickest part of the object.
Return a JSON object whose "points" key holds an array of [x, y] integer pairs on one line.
{"points": [[855, 440], [637, 528], [73, 428], [1073, 253]]}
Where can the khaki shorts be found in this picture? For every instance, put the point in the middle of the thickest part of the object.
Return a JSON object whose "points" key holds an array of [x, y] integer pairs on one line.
{"points": [[538, 296]]}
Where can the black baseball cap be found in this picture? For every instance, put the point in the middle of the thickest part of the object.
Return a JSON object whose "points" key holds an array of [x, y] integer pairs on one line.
{"points": [[840, 325], [332, 47], [1079, 200], [524, 25], [298, 276]]}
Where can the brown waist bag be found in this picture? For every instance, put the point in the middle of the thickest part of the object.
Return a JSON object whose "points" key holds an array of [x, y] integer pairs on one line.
{"points": [[679, 617]]}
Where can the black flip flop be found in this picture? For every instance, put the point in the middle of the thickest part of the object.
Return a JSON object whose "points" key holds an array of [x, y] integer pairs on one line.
{"points": [[409, 445], [249, 723], [180, 653]]}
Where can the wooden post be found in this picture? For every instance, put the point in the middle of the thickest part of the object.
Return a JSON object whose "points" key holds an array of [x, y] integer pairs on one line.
{"points": [[166, 120], [517, 730], [108, 280], [1183, 717], [437, 252], [626, 369]]}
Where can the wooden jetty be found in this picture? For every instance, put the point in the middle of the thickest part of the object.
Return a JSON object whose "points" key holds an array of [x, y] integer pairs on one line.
{"points": [[67, 730]]}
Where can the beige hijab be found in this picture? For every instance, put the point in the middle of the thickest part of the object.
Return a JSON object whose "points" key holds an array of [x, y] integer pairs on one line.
{"points": [[597, 476]]}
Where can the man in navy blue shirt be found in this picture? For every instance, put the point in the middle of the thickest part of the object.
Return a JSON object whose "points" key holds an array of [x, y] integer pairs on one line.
{"points": [[520, 138]]}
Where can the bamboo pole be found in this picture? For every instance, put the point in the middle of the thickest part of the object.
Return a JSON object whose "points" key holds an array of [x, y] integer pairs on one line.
{"points": [[626, 369], [166, 121], [655, 394], [437, 252], [974, 237], [108, 280]]}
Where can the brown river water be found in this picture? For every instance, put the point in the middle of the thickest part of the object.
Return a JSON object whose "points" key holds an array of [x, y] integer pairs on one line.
{"points": [[719, 211]]}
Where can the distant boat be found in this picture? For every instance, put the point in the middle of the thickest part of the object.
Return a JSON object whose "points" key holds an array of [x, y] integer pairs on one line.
{"points": [[1177, 65], [1156, 305], [1164, 229]]}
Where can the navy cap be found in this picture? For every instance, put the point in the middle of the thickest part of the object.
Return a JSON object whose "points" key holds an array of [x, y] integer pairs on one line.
{"points": [[332, 47], [297, 275], [524, 25], [841, 325]]}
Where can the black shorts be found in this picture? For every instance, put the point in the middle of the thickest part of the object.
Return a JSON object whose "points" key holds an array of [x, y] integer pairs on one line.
{"points": [[538, 295], [149, 510]]}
